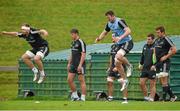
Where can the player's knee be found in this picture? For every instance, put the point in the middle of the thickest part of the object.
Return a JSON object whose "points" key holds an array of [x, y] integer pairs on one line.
{"points": [[24, 57], [110, 80], [117, 62], [70, 80], [142, 83], [37, 59], [119, 57], [81, 79]]}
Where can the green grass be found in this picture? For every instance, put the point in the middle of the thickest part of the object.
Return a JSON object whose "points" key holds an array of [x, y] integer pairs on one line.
{"points": [[8, 85], [59, 16], [88, 105]]}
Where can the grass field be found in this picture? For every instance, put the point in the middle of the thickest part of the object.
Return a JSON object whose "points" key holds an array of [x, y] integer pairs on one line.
{"points": [[8, 85], [59, 16], [88, 105]]}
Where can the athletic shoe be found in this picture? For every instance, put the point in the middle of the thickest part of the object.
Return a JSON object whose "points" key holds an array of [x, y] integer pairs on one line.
{"points": [[173, 98], [151, 99], [35, 77], [146, 98], [124, 102], [129, 70], [41, 79], [125, 85], [75, 99], [110, 99]]}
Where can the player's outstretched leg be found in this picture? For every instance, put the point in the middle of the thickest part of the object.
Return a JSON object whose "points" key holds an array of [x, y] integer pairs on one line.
{"points": [[37, 60]]}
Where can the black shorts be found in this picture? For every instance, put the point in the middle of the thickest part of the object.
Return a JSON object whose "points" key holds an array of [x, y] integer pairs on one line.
{"points": [[163, 67], [148, 74], [111, 73], [127, 46], [43, 49], [73, 69]]}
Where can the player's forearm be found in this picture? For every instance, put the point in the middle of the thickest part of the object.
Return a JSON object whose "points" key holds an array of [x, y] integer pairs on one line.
{"points": [[102, 35], [171, 52], [83, 56], [43, 32], [70, 60], [110, 62], [10, 33], [141, 61], [126, 33]]}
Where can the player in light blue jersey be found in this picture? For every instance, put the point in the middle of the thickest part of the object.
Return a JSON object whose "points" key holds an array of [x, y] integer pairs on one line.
{"points": [[123, 40]]}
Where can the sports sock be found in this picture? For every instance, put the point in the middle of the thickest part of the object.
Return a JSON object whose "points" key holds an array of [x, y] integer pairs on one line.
{"points": [[170, 92], [42, 73], [35, 70], [165, 91], [83, 97]]}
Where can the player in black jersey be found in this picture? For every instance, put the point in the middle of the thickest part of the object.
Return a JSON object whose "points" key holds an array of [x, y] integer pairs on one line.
{"points": [[76, 65], [145, 64], [164, 50], [39, 49]]}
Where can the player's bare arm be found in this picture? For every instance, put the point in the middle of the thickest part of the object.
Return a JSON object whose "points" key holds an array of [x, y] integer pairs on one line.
{"points": [[172, 52], [83, 56], [13, 34], [101, 36], [126, 33], [43, 32], [69, 62]]}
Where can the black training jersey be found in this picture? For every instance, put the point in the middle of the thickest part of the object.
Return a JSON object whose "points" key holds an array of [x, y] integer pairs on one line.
{"points": [[162, 47], [146, 57], [34, 39], [77, 47]]}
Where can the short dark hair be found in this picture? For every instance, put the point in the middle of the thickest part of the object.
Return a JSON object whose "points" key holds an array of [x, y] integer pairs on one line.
{"points": [[25, 24], [161, 28], [74, 30], [151, 35], [110, 12]]}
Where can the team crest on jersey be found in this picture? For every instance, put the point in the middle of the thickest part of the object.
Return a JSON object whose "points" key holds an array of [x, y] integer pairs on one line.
{"points": [[76, 45]]}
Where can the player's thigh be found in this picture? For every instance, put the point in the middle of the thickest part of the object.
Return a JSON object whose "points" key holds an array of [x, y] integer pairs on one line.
{"points": [[152, 83], [71, 76], [126, 47], [164, 81], [143, 80], [42, 52], [29, 54]]}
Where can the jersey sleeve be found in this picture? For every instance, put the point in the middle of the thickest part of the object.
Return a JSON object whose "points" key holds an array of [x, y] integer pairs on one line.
{"points": [[35, 31], [107, 28], [122, 24], [142, 56], [169, 43], [83, 46], [20, 35]]}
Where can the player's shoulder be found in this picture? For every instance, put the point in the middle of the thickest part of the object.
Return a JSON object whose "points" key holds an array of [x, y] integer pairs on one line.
{"points": [[81, 40], [34, 30], [145, 46]]}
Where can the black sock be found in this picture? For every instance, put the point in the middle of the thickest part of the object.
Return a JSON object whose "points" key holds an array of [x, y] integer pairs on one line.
{"points": [[165, 91], [170, 92]]}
